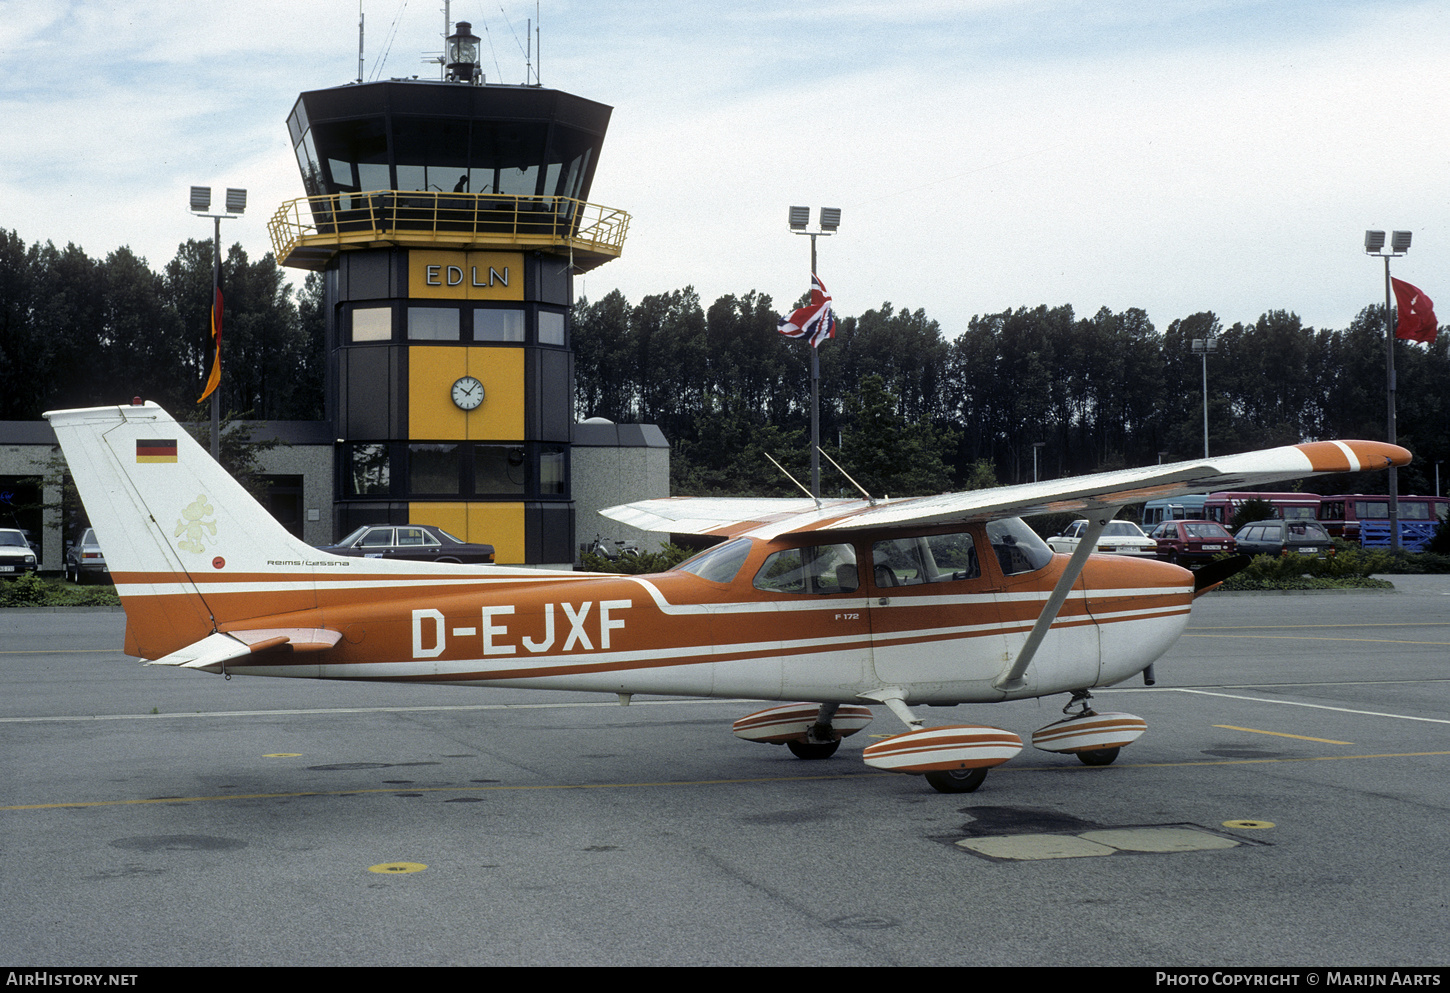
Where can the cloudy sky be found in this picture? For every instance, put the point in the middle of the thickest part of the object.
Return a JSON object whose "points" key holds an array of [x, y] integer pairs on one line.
{"points": [[1174, 155]]}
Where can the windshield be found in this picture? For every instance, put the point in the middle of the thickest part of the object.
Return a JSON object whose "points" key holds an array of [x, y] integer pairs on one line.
{"points": [[1017, 546], [718, 564], [1122, 529], [13, 538]]}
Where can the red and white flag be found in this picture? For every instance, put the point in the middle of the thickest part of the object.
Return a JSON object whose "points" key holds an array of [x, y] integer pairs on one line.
{"points": [[1417, 313], [814, 321]]}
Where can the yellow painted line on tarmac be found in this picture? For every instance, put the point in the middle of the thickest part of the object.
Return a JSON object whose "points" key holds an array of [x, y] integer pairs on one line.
{"points": [[1074, 769], [1281, 734], [440, 789], [69, 651]]}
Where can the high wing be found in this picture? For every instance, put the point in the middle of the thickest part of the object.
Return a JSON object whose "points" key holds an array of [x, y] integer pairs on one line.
{"points": [[770, 518]]}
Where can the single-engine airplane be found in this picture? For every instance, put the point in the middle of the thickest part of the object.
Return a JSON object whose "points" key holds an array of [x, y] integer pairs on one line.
{"points": [[842, 604]]}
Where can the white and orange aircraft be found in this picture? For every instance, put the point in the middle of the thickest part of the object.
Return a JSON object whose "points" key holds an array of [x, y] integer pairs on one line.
{"points": [[844, 604]]}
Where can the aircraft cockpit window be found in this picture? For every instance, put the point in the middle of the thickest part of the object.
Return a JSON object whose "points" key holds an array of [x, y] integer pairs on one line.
{"points": [[933, 558], [820, 569], [1017, 546], [718, 564]]}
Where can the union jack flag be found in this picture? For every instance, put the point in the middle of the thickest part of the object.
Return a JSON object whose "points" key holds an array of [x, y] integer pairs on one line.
{"points": [[814, 321]]}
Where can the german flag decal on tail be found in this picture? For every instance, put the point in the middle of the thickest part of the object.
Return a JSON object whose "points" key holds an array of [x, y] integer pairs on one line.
{"points": [[155, 450]]}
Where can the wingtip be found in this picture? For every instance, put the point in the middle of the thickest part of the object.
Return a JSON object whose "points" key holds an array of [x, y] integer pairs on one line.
{"points": [[1353, 456]]}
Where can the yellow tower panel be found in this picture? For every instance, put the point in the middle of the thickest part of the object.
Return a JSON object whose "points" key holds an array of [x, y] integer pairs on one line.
{"points": [[501, 415], [432, 414], [498, 524]]}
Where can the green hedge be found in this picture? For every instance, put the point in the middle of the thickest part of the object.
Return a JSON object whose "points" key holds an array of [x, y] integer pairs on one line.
{"points": [[1349, 568], [32, 591]]}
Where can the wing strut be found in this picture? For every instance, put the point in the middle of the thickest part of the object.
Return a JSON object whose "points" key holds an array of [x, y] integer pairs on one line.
{"points": [[1098, 519]]}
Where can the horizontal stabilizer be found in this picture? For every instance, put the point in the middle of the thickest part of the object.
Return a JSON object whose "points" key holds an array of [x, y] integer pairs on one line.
{"points": [[214, 651]]}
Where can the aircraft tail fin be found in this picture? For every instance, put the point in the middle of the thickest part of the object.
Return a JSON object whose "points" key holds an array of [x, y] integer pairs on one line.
{"points": [[181, 536]]}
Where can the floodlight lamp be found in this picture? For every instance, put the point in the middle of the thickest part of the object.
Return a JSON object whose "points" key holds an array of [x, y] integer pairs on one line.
{"points": [[200, 198], [830, 218], [1400, 242], [799, 218], [236, 201], [1374, 241]]}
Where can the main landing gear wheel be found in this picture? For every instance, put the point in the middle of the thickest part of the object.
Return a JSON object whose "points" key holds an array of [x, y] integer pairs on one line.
{"points": [[1099, 756], [813, 749], [956, 780]]}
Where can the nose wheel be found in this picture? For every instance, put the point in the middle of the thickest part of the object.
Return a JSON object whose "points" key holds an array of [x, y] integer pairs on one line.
{"points": [[813, 749], [1096, 739]]}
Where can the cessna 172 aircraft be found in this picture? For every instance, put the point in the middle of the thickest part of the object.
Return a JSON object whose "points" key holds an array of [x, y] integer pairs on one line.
{"points": [[843, 604]]}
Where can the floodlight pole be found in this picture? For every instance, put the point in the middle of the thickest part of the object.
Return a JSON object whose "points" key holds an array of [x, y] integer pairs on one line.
{"points": [[216, 394], [1202, 346], [236, 201], [1399, 245], [815, 401], [799, 219]]}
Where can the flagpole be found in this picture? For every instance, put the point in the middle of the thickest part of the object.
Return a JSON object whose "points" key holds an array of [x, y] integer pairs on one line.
{"points": [[1391, 429], [236, 203], [1374, 241], [830, 221], [815, 401], [216, 394]]}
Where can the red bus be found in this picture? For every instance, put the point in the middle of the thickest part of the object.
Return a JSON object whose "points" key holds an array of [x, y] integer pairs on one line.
{"points": [[1221, 507]]}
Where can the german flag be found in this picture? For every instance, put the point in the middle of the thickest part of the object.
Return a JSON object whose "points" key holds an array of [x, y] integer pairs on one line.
{"points": [[216, 335], [155, 450]]}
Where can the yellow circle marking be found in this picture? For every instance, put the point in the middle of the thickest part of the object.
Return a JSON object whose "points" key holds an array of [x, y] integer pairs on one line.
{"points": [[1247, 825], [397, 867], [283, 755]]}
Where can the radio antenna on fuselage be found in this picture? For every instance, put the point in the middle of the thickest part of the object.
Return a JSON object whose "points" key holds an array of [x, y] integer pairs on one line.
{"points": [[843, 472], [793, 480]]}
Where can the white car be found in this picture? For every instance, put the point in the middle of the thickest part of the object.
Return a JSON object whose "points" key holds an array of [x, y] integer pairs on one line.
{"points": [[16, 555], [1119, 537]]}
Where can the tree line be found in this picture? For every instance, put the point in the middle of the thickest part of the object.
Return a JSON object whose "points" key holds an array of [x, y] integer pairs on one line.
{"points": [[77, 331], [906, 406]]}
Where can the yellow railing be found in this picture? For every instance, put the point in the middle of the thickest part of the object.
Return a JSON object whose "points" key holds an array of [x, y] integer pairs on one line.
{"points": [[306, 233]]}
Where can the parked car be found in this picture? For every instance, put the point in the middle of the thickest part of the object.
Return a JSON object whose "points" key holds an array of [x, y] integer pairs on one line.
{"points": [[16, 555], [1184, 542], [1292, 537], [414, 542], [85, 560], [1121, 537]]}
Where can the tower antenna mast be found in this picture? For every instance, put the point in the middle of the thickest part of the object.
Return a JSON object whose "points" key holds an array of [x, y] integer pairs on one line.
{"points": [[359, 41]]}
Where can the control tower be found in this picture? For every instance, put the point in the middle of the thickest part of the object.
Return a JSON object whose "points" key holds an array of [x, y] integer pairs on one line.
{"points": [[450, 218]]}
